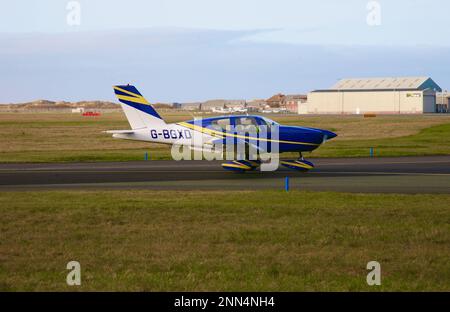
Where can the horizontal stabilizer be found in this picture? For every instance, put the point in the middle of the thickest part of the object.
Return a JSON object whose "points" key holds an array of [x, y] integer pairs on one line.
{"points": [[120, 131]]}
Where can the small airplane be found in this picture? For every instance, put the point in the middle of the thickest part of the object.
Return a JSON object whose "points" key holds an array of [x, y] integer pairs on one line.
{"points": [[239, 110], [231, 110], [147, 125], [221, 110]]}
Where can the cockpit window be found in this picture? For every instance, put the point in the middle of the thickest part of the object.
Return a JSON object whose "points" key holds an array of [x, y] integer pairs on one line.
{"points": [[246, 124], [221, 124], [269, 122]]}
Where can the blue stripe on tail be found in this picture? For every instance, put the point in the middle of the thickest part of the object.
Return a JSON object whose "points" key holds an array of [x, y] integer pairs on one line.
{"points": [[129, 95]]}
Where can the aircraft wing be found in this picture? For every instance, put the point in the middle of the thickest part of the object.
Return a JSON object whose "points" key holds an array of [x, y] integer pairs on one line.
{"points": [[238, 141]]}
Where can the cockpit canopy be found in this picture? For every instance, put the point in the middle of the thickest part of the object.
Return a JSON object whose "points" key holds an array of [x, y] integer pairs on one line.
{"points": [[243, 123]]}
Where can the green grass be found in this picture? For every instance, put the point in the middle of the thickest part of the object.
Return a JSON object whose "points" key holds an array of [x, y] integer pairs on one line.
{"points": [[154, 153], [220, 241], [434, 140], [63, 137]]}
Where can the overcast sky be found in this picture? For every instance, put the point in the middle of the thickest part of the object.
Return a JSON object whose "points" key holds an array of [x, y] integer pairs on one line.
{"points": [[178, 50]]}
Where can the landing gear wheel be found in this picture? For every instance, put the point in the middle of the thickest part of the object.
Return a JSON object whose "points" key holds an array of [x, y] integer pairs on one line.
{"points": [[299, 164], [241, 165]]}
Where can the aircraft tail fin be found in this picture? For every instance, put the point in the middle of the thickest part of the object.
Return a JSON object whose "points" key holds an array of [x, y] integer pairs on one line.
{"points": [[139, 112]]}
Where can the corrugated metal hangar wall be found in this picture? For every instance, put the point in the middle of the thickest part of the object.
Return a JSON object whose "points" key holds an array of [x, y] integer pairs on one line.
{"points": [[412, 95]]}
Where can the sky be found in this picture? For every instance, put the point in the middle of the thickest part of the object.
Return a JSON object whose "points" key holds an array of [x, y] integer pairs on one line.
{"points": [[181, 51]]}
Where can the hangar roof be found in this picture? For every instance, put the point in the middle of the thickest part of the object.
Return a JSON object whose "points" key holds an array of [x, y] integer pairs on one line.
{"points": [[387, 83]]}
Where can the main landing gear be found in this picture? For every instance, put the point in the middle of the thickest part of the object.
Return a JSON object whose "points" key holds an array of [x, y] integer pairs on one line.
{"points": [[241, 165], [299, 164]]}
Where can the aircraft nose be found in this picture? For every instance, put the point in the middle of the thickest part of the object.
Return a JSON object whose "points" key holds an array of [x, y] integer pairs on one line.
{"points": [[328, 135]]}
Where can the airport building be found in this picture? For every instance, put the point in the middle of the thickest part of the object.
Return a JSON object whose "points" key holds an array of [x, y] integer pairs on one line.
{"points": [[221, 104], [443, 102], [292, 101], [276, 100], [191, 106], [401, 95], [288, 102]]}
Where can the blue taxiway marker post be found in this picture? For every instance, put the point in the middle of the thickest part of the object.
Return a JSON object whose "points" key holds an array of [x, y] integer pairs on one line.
{"points": [[146, 156], [286, 184], [371, 152]]}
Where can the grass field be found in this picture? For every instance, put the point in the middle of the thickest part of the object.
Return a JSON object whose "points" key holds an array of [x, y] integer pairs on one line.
{"points": [[49, 137], [259, 240]]}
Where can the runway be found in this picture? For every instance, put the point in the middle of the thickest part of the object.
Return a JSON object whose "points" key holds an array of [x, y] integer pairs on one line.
{"points": [[372, 175]]}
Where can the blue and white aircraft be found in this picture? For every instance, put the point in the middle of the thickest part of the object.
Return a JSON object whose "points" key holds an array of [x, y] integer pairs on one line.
{"points": [[267, 135]]}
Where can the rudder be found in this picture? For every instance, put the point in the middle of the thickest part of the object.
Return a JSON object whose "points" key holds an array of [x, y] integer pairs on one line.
{"points": [[139, 112]]}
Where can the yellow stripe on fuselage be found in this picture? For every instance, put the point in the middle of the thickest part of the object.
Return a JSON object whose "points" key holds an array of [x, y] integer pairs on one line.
{"points": [[202, 129], [211, 132]]}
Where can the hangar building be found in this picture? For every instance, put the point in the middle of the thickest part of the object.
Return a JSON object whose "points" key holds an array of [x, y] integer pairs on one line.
{"points": [[401, 95]]}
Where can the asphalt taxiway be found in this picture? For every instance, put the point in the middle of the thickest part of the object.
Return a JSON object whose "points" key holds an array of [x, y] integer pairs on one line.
{"points": [[373, 175]]}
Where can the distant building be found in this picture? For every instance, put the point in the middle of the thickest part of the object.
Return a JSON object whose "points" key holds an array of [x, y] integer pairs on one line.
{"points": [[222, 104], [235, 103], [191, 106], [293, 101], [277, 100], [212, 104], [443, 102], [256, 105], [78, 110], [401, 95]]}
